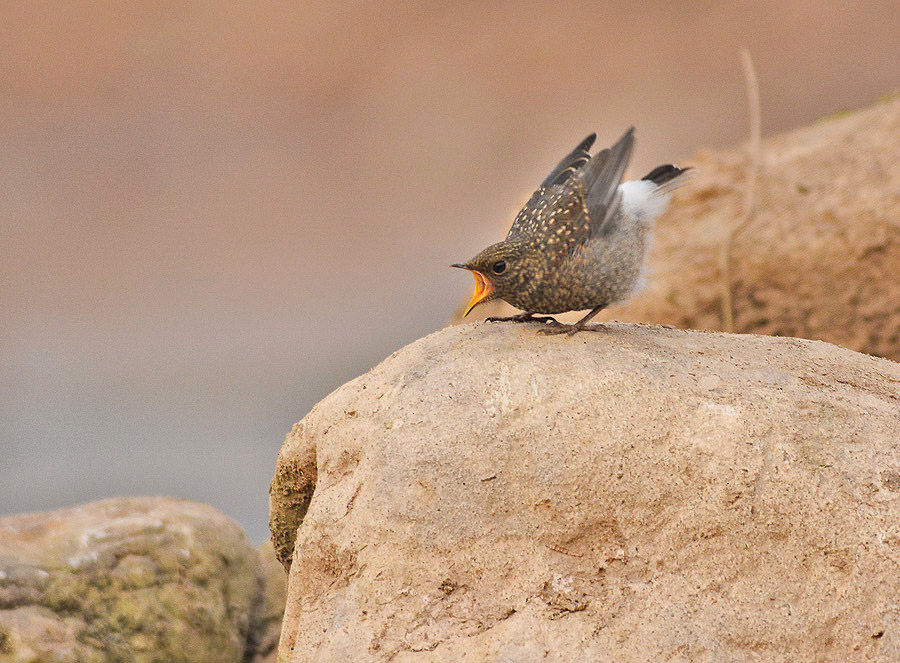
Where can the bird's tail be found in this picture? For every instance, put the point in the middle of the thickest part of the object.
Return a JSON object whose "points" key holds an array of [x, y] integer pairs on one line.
{"points": [[668, 177]]}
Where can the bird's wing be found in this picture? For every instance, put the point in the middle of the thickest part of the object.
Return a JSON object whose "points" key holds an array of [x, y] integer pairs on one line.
{"points": [[599, 181], [570, 163], [562, 216], [555, 218]]}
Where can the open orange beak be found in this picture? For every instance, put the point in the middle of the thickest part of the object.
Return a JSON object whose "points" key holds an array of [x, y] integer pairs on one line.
{"points": [[483, 288]]}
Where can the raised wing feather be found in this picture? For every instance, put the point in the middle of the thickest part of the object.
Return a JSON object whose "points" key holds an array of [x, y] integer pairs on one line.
{"points": [[570, 163], [572, 209], [600, 180]]}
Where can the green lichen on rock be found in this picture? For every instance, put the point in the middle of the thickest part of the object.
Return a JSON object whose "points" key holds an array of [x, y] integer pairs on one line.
{"points": [[290, 492], [132, 580]]}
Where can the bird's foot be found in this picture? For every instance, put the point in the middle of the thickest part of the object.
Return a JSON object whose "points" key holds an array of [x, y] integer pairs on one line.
{"points": [[570, 330], [521, 317]]}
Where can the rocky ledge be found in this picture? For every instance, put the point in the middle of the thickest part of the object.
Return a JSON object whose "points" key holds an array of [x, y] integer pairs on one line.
{"points": [[632, 494]]}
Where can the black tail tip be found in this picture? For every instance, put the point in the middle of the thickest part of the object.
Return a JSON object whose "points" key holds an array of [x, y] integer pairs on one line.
{"points": [[662, 174]]}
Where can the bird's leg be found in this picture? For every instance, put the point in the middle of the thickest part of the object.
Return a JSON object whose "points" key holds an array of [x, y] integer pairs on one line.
{"points": [[519, 317], [559, 328]]}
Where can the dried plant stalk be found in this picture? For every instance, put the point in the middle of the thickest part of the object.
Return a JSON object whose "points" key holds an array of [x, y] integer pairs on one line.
{"points": [[752, 86]]}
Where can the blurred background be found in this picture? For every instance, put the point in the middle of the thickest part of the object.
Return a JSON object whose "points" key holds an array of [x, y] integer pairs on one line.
{"points": [[214, 213]]}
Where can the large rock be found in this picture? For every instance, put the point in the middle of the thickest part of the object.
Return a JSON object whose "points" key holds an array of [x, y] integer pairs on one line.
{"points": [[137, 580], [635, 494], [818, 259]]}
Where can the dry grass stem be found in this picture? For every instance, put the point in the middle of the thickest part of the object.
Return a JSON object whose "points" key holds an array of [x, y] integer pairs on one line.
{"points": [[752, 85]]}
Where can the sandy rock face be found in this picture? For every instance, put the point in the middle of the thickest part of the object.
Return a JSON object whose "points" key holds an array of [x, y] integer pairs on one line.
{"points": [[133, 579], [636, 494], [820, 255]]}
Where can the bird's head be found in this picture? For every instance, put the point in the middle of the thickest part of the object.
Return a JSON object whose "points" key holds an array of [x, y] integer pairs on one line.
{"points": [[499, 271]]}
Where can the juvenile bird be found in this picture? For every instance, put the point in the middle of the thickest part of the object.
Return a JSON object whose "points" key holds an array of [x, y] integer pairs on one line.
{"points": [[580, 242]]}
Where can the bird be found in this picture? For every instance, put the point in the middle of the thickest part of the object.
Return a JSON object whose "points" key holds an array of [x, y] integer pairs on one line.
{"points": [[581, 240]]}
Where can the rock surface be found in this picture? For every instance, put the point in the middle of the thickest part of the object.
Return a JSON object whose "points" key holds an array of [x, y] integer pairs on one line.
{"points": [[818, 259], [636, 494], [271, 609], [137, 580]]}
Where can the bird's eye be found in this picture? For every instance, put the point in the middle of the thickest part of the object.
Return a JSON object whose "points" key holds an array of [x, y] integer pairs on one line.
{"points": [[499, 267]]}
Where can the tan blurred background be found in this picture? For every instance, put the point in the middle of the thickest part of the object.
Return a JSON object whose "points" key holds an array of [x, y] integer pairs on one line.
{"points": [[213, 213]]}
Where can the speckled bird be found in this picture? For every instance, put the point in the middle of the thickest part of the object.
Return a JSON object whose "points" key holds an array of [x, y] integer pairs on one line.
{"points": [[581, 240]]}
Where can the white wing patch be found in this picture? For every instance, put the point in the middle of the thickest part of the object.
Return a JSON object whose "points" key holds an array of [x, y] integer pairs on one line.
{"points": [[643, 201]]}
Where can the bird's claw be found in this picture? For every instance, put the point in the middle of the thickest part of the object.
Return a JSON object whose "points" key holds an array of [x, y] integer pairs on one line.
{"points": [[569, 330], [555, 327], [554, 330]]}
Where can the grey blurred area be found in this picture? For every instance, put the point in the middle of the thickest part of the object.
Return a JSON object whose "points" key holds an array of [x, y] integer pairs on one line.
{"points": [[212, 214]]}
